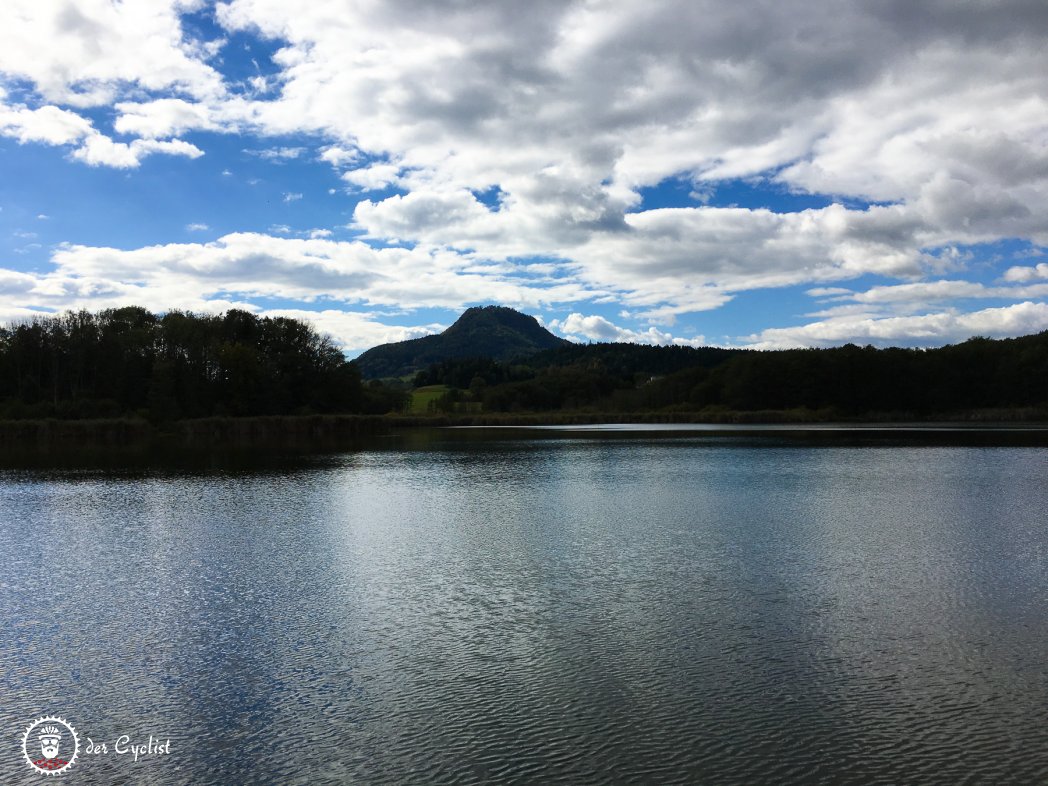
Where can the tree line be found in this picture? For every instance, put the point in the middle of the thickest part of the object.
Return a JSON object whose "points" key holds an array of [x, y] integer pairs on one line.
{"points": [[848, 381], [130, 362]]}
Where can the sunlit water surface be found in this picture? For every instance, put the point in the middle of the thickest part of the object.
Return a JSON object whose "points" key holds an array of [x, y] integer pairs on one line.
{"points": [[559, 610]]}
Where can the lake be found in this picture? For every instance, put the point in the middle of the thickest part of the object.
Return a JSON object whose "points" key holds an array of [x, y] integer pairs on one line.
{"points": [[537, 606]]}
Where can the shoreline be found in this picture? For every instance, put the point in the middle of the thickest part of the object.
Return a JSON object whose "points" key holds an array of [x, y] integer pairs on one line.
{"points": [[331, 430]]}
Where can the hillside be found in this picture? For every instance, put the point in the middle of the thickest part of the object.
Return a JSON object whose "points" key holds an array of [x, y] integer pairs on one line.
{"points": [[1006, 376], [494, 332]]}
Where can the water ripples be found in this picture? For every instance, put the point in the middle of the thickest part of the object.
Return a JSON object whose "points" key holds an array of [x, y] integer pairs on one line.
{"points": [[570, 612]]}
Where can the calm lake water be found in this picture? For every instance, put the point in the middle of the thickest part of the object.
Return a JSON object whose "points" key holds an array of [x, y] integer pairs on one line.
{"points": [[555, 607]]}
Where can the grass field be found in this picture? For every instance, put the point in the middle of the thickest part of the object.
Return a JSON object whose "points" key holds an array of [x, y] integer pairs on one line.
{"points": [[420, 398]]}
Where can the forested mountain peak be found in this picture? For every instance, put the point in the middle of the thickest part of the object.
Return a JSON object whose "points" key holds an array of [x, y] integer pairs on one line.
{"points": [[486, 317], [495, 332]]}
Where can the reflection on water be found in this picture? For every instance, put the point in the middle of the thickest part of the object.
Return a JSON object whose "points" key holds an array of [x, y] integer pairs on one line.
{"points": [[557, 610]]}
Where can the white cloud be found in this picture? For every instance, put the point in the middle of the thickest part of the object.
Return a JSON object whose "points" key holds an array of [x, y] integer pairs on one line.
{"points": [[693, 259], [567, 110], [242, 266], [88, 54], [290, 197], [438, 217], [277, 154], [931, 329], [85, 53], [600, 99], [100, 150], [14, 284], [16, 314], [916, 298], [924, 292], [374, 177], [355, 331], [286, 229], [596, 328], [339, 156], [259, 84], [163, 117], [197, 227], [1027, 273], [48, 124]]}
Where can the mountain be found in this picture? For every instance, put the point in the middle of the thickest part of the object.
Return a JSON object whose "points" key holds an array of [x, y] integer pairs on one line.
{"points": [[491, 331]]}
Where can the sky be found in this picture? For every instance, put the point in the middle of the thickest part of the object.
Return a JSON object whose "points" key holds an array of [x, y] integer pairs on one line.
{"points": [[755, 174]]}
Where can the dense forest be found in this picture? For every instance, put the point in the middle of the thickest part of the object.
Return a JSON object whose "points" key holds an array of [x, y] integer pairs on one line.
{"points": [[128, 361], [848, 381]]}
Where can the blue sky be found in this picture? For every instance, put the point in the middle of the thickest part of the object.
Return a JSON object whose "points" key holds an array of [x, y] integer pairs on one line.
{"points": [[666, 172]]}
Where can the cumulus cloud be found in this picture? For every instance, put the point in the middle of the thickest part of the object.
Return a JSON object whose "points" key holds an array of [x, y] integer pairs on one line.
{"points": [[373, 177], [54, 126], [309, 269], [924, 292], [930, 329], [925, 123], [885, 104], [453, 218], [339, 156], [163, 117], [48, 124], [100, 150], [84, 53], [596, 328], [1027, 273], [356, 331], [335, 279], [89, 54]]}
